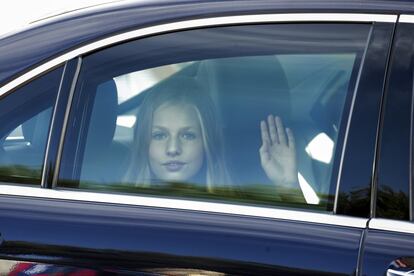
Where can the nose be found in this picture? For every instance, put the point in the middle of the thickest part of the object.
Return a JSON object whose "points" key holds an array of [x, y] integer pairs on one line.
{"points": [[173, 147]]}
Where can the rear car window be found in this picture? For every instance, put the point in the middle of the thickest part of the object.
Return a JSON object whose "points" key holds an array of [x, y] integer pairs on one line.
{"points": [[254, 114], [25, 116]]}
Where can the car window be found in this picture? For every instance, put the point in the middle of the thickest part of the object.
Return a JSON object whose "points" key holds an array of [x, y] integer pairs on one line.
{"points": [[24, 125], [394, 170], [253, 114]]}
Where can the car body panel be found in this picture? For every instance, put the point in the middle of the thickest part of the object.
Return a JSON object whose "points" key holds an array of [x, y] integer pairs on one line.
{"points": [[133, 237], [384, 250]]}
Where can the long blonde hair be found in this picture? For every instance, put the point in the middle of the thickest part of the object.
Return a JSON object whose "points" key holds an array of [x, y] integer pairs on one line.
{"points": [[180, 90]]}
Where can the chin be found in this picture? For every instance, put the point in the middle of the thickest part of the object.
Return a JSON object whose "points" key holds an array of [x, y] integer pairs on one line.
{"points": [[174, 178]]}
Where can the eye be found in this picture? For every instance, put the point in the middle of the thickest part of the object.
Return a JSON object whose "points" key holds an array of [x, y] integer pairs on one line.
{"points": [[188, 135], [159, 135]]}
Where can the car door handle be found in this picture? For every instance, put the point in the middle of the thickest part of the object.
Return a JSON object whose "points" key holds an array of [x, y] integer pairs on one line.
{"points": [[401, 266]]}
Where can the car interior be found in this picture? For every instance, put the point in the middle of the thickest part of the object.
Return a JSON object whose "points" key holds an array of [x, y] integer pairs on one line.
{"points": [[245, 90]]}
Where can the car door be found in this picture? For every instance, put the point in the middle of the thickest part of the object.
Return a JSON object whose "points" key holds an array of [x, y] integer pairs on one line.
{"points": [[97, 209], [389, 238]]}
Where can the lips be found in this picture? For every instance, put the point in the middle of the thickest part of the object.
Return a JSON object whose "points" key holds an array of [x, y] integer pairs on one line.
{"points": [[173, 166]]}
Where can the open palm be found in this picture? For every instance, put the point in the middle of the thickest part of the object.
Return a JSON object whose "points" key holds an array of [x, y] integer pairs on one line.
{"points": [[278, 153]]}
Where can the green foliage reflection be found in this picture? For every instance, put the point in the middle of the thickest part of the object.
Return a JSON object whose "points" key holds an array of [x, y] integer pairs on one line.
{"points": [[392, 204], [20, 174], [254, 194]]}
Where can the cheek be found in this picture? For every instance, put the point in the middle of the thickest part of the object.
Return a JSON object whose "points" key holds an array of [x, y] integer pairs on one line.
{"points": [[196, 151], [155, 150]]}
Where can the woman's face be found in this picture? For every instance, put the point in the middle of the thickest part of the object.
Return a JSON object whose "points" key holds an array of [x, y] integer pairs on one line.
{"points": [[176, 146]]}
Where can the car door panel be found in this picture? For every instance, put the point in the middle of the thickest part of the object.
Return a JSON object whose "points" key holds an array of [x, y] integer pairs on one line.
{"points": [[109, 236], [386, 252]]}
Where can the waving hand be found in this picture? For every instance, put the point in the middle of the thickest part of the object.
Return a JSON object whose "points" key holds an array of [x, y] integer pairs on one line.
{"points": [[278, 153]]}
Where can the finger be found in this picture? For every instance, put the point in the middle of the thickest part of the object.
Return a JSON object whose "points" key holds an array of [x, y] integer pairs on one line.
{"points": [[280, 131], [291, 138], [265, 134], [264, 154], [272, 130]]}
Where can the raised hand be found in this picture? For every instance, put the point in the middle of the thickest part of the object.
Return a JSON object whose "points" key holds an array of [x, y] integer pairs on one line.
{"points": [[278, 153]]}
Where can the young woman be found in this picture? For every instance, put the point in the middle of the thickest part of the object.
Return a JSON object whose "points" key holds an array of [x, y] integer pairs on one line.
{"points": [[178, 138]]}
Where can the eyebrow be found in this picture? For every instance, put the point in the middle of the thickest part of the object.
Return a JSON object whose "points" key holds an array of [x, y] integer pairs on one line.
{"points": [[163, 128], [184, 128]]}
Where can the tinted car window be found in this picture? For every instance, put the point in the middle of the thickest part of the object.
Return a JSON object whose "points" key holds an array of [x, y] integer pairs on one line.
{"points": [[24, 126], [395, 166], [247, 113]]}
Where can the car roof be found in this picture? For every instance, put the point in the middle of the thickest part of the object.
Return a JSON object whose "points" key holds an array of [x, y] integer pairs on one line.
{"points": [[50, 37]]}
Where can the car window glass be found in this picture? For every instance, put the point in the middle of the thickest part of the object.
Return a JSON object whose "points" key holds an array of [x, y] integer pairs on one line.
{"points": [[251, 114], [24, 125]]}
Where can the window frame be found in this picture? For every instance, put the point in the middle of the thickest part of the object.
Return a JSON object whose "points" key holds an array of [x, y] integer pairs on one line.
{"points": [[60, 71], [400, 86], [354, 194]]}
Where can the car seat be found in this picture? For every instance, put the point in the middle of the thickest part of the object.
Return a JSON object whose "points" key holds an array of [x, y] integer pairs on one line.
{"points": [[246, 91], [25, 157], [104, 160]]}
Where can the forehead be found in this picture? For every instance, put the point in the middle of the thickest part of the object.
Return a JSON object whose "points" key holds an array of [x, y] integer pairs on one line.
{"points": [[176, 115]]}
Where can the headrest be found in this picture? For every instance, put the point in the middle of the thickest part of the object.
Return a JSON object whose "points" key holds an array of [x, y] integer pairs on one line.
{"points": [[36, 129], [103, 118], [256, 86], [246, 90]]}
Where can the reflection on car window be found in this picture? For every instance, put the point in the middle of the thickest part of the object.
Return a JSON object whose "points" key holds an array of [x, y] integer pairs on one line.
{"points": [[190, 115], [24, 125]]}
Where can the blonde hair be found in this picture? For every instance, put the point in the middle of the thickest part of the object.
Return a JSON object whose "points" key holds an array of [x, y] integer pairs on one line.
{"points": [[179, 91]]}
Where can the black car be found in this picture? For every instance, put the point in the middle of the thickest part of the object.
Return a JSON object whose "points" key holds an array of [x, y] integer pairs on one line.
{"points": [[209, 138]]}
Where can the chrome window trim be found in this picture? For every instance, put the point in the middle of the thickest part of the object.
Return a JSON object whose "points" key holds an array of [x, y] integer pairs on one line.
{"points": [[51, 125], [406, 18], [184, 204], [391, 225], [348, 124], [197, 23], [65, 122]]}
